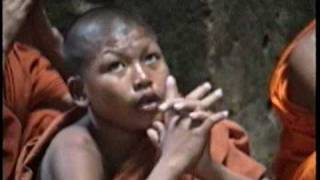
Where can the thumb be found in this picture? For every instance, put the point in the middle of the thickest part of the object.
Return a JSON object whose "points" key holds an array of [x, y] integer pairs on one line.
{"points": [[171, 88], [153, 136], [170, 93]]}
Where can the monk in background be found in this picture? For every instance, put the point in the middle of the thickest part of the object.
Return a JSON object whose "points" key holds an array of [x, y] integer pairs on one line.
{"points": [[292, 93], [34, 92]]}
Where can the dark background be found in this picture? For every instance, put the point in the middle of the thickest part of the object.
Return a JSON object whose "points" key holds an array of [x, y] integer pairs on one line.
{"points": [[234, 44]]}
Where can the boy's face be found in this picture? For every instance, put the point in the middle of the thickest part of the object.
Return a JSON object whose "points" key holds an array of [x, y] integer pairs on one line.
{"points": [[126, 82]]}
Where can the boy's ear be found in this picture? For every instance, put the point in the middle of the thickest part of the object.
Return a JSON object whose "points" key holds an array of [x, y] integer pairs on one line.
{"points": [[77, 91]]}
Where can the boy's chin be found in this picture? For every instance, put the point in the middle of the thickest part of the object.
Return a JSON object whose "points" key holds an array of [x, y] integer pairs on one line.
{"points": [[146, 122]]}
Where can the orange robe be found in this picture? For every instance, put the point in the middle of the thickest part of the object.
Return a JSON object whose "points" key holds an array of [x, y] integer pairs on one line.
{"points": [[296, 156], [230, 147], [30, 86]]}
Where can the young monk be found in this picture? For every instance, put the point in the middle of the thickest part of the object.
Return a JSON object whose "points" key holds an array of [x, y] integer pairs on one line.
{"points": [[121, 78], [292, 93], [34, 92]]}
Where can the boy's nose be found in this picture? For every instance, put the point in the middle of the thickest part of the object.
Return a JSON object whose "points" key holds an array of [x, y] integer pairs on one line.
{"points": [[141, 80]]}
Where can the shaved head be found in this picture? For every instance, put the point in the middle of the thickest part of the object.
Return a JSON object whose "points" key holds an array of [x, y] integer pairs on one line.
{"points": [[96, 28]]}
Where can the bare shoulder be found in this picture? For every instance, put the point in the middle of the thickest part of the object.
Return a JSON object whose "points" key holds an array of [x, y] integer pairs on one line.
{"points": [[73, 136], [304, 52], [72, 154], [302, 74]]}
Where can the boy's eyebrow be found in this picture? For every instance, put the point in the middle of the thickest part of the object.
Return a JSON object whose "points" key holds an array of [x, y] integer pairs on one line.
{"points": [[119, 53], [147, 48], [112, 51]]}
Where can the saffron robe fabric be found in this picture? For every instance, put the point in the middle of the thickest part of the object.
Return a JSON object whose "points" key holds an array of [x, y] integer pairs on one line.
{"points": [[297, 143], [229, 146], [31, 85]]}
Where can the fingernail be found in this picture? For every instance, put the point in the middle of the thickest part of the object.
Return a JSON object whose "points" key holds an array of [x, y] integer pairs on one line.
{"points": [[178, 106], [149, 131], [218, 92], [225, 113], [207, 85], [170, 80], [193, 115], [163, 107]]}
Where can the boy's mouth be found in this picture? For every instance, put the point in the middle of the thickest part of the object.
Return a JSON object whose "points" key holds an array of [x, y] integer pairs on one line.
{"points": [[148, 102]]}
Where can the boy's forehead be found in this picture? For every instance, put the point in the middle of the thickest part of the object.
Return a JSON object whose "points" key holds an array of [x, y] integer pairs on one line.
{"points": [[120, 37], [123, 31]]}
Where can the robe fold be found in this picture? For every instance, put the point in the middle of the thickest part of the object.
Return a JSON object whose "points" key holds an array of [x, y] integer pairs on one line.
{"points": [[31, 86], [229, 146], [297, 141]]}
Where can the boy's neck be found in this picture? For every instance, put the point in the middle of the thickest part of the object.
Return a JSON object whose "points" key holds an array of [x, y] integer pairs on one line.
{"points": [[115, 143]]}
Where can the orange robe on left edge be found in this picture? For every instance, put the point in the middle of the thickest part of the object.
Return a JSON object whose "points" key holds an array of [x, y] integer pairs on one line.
{"points": [[30, 84], [296, 157]]}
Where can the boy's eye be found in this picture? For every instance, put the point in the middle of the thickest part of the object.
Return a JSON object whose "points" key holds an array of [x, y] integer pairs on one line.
{"points": [[151, 58], [115, 67]]}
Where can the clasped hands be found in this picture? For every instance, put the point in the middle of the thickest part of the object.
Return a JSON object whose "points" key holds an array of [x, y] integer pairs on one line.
{"points": [[182, 135]]}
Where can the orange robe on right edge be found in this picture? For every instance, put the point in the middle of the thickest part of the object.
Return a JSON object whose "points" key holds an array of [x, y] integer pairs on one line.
{"points": [[296, 159]]}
